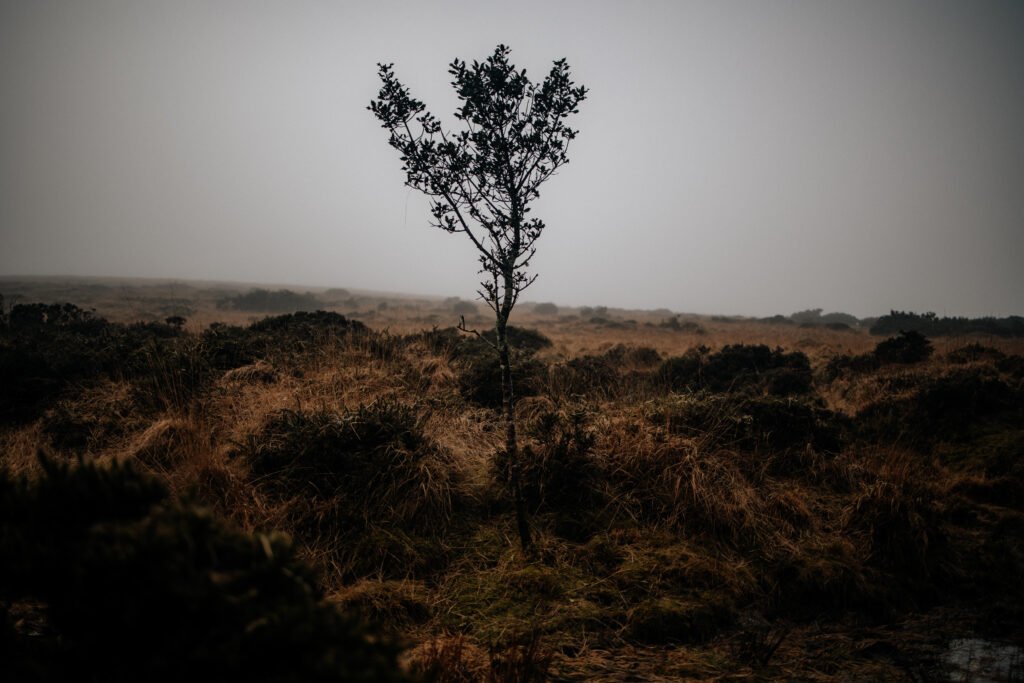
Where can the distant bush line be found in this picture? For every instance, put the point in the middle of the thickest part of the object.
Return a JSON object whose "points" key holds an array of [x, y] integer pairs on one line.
{"points": [[279, 301], [932, 325]]}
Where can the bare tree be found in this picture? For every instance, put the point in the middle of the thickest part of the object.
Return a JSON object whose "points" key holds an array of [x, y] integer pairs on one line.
{"points": [[481, 181]]}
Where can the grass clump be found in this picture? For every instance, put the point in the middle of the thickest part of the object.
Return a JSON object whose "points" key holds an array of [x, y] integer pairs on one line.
{"points": [[367, 486], [761, 423]]}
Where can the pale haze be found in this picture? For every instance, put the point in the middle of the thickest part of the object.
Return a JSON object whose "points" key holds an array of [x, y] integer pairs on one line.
{"points": [[734, 157]]}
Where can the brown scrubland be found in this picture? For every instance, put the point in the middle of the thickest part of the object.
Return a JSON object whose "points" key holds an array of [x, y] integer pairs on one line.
{"points": [[711, 498]]}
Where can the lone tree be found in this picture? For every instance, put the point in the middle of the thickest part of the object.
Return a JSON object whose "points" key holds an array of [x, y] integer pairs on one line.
{"points": [[482, 179]]}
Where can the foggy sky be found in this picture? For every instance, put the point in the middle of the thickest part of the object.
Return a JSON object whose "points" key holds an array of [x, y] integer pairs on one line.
{"points": [[734, 157]]}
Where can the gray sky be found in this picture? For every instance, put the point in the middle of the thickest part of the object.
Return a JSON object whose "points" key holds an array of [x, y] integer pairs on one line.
{"points": [[734, 157]]}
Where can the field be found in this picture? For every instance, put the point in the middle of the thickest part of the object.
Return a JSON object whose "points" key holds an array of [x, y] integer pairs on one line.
{"points": [[192, 475]]}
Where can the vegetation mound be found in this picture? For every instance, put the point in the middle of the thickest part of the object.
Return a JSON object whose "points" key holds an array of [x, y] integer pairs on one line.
{"points": [[738, 368], [366, 487], [122, 584]]}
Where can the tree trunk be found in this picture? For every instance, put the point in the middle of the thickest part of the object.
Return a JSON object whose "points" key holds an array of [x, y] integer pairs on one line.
{"points": [[511, 445]]}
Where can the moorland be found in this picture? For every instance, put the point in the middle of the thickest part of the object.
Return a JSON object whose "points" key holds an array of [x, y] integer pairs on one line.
{"points": [[264, 483]]}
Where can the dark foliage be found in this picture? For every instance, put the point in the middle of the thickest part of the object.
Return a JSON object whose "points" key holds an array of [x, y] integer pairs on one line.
{"points": [[907, 347], [974, 353], [479, 366], [931, 325], [47, 350], [279, 301], [355, 457], [522, 339], [674, 323], [479, 375], [559, 472], [948, 407], [754, 423], [620, 368], [131, 586], [739, 368], [814, 318]]}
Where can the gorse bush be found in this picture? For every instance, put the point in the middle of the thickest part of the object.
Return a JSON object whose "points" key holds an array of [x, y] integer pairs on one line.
{"points": [[133, 586]]}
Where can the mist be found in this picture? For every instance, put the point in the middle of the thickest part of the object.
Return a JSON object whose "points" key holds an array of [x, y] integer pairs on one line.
{"points": [[737, 158]]}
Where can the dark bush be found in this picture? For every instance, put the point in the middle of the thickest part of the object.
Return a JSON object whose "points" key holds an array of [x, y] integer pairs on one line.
{"points": [[279, 301], [1012, 366], [637, 356], [947, 407], [674, 323], [973, 353], [522, 339], [752, 423], [908, 347], [618, 370], [131, 586], [585, 375], [931, 325], [479, 369], [307, 326], [739, 368], [47, 348], [97, 418], [558, 471], [545, 309]]}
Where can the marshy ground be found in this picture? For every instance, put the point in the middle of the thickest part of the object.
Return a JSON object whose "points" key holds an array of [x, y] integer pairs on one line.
{"points": [[713, 498]]}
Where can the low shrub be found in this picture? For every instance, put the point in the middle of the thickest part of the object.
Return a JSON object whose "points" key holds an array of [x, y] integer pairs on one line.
{"points": [[753, 423], [974, 353], [739, 368], [479, 368], [133, 586], [558, 470], [951, 406], [908, 347]]}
